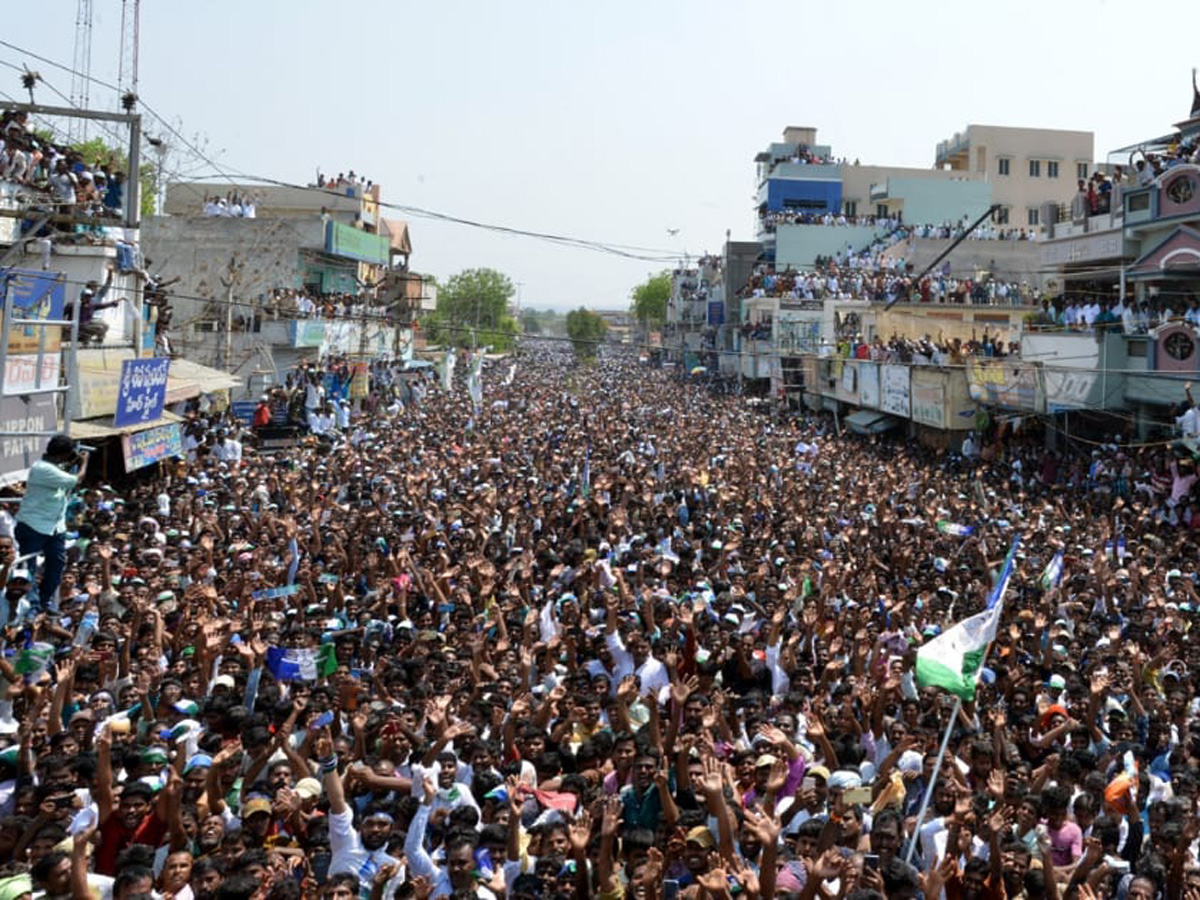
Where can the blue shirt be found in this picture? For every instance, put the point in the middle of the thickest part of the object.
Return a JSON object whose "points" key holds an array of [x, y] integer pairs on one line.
{"points": [[47, 492]]}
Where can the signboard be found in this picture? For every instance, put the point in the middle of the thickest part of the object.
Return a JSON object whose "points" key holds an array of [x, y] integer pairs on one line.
{"points": [[144, 448], [100, 380], [894, 389], [35, 295], [307, 333], [244, 410], [354, 243], [21, 370], [716, 312], [142, 392], [37, 413], [868, 384], [1011, 385], [928, 392]]}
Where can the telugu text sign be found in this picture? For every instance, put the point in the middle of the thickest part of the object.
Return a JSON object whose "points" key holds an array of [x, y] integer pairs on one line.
{"points": [[144, 448], [142, 392]]}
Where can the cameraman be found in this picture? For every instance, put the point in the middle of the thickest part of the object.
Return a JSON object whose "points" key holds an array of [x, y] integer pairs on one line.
{"points": [[41, 520]]}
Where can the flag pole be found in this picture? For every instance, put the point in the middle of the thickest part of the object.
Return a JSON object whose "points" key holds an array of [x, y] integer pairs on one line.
{"points": [[937, 768], [997, 597]]}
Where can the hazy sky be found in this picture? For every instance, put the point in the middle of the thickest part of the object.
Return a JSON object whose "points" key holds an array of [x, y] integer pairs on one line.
{"points": [[610, 121]]}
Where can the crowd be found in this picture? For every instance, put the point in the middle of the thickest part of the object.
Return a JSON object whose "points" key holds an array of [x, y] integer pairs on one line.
{"points": [[1088, 312], [605, 636], [894, 225], [831, 281], [769, 220], [55, 175], [341, 181], [234, 205]]}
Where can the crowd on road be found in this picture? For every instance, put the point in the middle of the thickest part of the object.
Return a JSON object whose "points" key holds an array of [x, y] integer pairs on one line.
{"points": [[601, 635]]}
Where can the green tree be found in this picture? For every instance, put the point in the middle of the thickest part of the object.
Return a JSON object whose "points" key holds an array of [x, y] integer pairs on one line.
{"points": [[96, 152], [586, 330], [650, 298], [472, 308]]}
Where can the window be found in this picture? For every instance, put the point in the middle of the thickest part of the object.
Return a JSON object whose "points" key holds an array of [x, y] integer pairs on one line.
{"points": [[1003, 164], [1033, 216], [881, 211], [1081, 170], [1051, 169], [1000, 216], [1035, 168], [851, 207]]}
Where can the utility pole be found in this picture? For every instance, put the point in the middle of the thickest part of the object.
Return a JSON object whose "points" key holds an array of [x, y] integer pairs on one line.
{"points": [[229, 282]]}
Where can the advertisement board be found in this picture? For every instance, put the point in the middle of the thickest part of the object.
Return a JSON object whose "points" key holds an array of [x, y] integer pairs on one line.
{"points": [[894, 389], [1011, 385], [928, 393], [38, 412], [142, 391], [144, 448], [307, 333], [35, 295], [21, 371], [868, 385], [354, 243]]}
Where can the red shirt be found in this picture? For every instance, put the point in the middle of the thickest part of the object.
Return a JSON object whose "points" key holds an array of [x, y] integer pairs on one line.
{"points": [[115, 837]]}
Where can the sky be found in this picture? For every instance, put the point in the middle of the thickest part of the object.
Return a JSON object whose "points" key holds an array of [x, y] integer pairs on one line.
{"points": [[612, 122]]}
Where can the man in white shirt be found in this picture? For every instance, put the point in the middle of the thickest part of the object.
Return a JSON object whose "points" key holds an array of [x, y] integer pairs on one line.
{"points": [[363, 851], [452, 879], [227, 449]]}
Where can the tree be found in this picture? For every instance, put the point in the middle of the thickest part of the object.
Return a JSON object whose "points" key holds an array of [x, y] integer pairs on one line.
{"points": [[586, 330], [650, 298], [95, 152], [472, 308]]}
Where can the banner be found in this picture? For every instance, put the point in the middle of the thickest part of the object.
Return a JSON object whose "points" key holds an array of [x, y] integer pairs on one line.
{"points": [[144, 448], [276, 593], [1003, 383], [868, 385], [894, 390], [142, 391], [307, 333], [21, 371], [38, 413]]}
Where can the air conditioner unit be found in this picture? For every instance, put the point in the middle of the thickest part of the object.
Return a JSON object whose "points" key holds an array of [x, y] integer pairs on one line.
{"points": [[206, 327]]}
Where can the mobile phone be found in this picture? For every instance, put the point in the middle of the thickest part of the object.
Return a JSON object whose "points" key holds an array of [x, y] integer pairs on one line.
{"points": [[857, 796], [871, 861], [808, 784], [671, 889], [324, 720]]}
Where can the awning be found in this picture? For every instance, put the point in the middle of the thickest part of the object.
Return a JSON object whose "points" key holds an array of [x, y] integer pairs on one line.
{"points": [[870, 421], [188, 379], [102, 427]]}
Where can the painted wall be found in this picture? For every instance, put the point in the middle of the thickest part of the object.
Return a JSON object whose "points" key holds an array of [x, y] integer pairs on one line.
{"points": [[799, 245]]}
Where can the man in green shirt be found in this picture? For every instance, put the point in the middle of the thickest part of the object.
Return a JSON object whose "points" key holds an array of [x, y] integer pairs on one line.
{"points": [[41, 520]]}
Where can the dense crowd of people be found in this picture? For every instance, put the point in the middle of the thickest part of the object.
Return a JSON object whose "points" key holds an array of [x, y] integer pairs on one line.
{"points": [[831, 281], [58, 176], [894, 225], [1091, 312], [602, 636], [233, 205]]}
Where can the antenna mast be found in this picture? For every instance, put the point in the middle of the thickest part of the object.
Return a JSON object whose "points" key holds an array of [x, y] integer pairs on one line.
{"points": [[81, 65]]}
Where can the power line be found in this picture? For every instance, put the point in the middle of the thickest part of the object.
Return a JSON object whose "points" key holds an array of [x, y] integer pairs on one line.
{"points": [[644, 254]]}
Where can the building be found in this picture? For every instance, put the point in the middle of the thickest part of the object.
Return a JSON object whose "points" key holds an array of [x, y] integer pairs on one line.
{"points": [[54, 374], [1027, 168], [309, 241]]}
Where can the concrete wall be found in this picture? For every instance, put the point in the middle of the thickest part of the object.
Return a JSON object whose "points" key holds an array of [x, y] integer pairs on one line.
{"points": [[82, 263], [799, 245], [187, 199], [1009, 260], [929, 201], [199, 250], [984, 145]]}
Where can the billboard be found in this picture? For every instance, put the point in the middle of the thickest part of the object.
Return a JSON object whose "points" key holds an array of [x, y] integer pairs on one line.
{"points": [[144, 448], [142, 391]]}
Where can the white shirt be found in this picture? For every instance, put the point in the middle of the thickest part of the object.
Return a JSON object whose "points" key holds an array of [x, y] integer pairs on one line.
{"points": [[230, 451], [348, 853]]}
